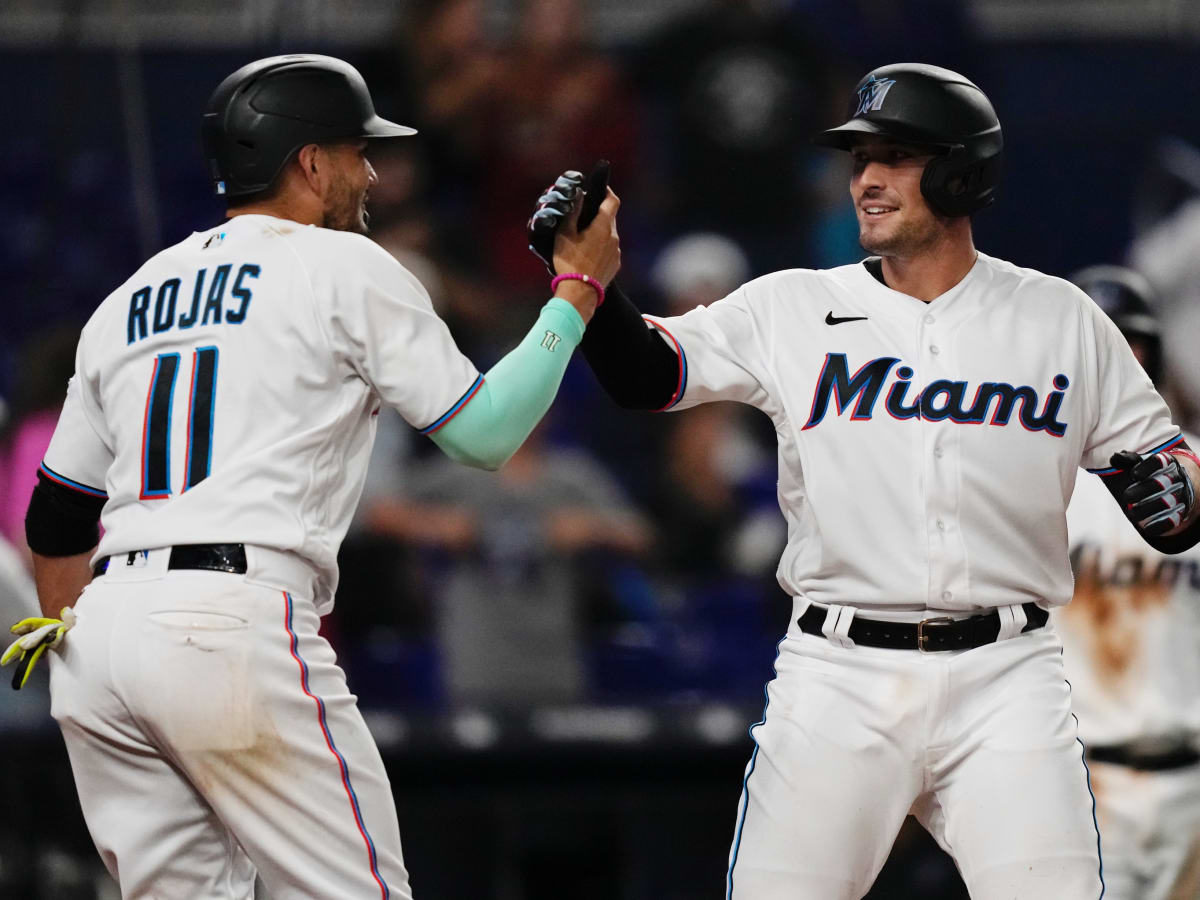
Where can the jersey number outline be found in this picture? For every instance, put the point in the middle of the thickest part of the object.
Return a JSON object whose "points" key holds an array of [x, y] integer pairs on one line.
{"points": [[156, 427]]}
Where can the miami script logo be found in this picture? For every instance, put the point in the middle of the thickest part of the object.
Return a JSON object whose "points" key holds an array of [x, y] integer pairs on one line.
{"points": [[993, 402]]}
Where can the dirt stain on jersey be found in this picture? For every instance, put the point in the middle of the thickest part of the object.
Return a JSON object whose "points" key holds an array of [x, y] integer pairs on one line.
{"points": [[1110, 616]]}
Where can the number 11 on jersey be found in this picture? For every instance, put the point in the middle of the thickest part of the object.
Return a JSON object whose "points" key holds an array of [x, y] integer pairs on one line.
{"points": [[156, 429]]}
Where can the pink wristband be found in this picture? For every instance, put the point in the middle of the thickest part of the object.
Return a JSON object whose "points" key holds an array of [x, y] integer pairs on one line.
{"points": [[579, 276]]}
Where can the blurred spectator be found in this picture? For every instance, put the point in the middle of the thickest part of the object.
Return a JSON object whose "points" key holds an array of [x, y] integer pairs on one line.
{"points": [[480, 317], [456, 67], [44, 366], [511, 571], [737, 92], [1168, 254], [701, 505], [499, 118], [441, 66], [717, 478], [698, 269], [714, 501], [382, 622], [397, 200], [558, 103]]}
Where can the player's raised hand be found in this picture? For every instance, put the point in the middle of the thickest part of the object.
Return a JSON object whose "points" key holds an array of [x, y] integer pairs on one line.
{"points": [[554, 206], [564, 213], [1159, 497], [596, 250]]}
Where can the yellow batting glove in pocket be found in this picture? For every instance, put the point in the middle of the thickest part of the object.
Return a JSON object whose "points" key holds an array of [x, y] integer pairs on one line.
{"points": [[37, 634]]}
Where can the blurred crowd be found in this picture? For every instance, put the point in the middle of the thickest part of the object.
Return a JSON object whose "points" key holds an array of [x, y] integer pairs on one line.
{"points": [[619, 556]]}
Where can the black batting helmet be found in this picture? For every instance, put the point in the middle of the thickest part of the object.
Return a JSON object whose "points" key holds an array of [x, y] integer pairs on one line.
{"points": [[267, 110], [1128, 299], [936, 108]]}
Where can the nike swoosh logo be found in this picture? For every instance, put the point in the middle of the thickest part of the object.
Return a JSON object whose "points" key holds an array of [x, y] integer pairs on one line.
{"points": [[831, 319]]}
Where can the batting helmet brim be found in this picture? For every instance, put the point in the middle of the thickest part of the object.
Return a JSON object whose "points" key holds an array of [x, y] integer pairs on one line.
{"points": [[842, 137], [379, 127]]}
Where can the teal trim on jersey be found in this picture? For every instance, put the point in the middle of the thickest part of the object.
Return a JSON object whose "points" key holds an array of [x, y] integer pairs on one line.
{"points": [[516, 392]]}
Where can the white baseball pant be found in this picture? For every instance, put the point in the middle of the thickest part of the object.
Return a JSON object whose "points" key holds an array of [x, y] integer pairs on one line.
{"points": [[980, 745], [1151, 827], [211, 733]]}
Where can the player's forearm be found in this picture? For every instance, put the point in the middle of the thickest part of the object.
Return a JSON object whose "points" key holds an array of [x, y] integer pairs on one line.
{"points": [[429, 525], [572, 530], [582, 297], [516, 392], [60, 580], [632, 362]]}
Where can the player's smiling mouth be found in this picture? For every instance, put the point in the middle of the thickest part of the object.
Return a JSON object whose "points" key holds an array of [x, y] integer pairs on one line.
{"points": [[875, 210]]}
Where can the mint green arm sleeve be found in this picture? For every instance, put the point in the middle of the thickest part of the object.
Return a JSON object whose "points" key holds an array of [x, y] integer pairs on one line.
{"points": [[516, 392]]}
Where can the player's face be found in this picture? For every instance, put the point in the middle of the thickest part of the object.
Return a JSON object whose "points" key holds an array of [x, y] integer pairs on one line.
{"points": [[346, 197], [893, 218]]}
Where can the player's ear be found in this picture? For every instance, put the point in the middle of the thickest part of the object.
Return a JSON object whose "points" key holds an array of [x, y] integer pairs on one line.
{"points": [[311, 164]]}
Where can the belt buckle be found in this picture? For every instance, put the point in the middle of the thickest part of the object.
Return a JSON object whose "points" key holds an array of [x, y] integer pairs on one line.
{"points": [[922, 637]]}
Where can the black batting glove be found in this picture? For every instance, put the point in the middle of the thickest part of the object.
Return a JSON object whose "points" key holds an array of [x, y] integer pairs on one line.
{"points": [[553, 207], [1159, 495]]}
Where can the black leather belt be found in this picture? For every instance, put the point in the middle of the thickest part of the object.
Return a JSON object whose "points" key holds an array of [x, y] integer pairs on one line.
{"points": [[928, 635], [229, 558], [1145, 759]]}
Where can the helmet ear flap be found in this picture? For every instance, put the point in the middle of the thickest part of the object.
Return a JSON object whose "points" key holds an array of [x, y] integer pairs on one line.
{"points": [[935, 180], [954, 186]]}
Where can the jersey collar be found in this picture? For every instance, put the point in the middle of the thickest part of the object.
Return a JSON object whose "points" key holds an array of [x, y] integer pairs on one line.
{"points": [[871, 287]]}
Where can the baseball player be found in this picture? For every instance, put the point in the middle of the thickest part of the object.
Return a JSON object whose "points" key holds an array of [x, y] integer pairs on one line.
{"points": [[1132, 655], [220, 417], [932, 405]]}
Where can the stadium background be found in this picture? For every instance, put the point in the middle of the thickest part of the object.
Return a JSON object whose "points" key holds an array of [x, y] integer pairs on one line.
{"points": [[559, 662]]}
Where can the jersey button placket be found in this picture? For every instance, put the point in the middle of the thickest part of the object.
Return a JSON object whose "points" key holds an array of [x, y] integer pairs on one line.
{"points": [[940, 479]]}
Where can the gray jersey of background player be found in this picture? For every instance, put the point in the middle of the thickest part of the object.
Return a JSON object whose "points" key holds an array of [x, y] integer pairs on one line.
{"points": [[210, 730], [1131, 648], [512, 595], [932, 406]]}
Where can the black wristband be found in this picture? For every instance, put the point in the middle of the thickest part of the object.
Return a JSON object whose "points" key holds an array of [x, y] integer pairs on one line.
{"points": [[632, 362]]}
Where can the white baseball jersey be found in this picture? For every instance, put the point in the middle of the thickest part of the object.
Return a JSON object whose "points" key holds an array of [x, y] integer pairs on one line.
{"points": [[1132, 633], [226, 392], [981, 406]]}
